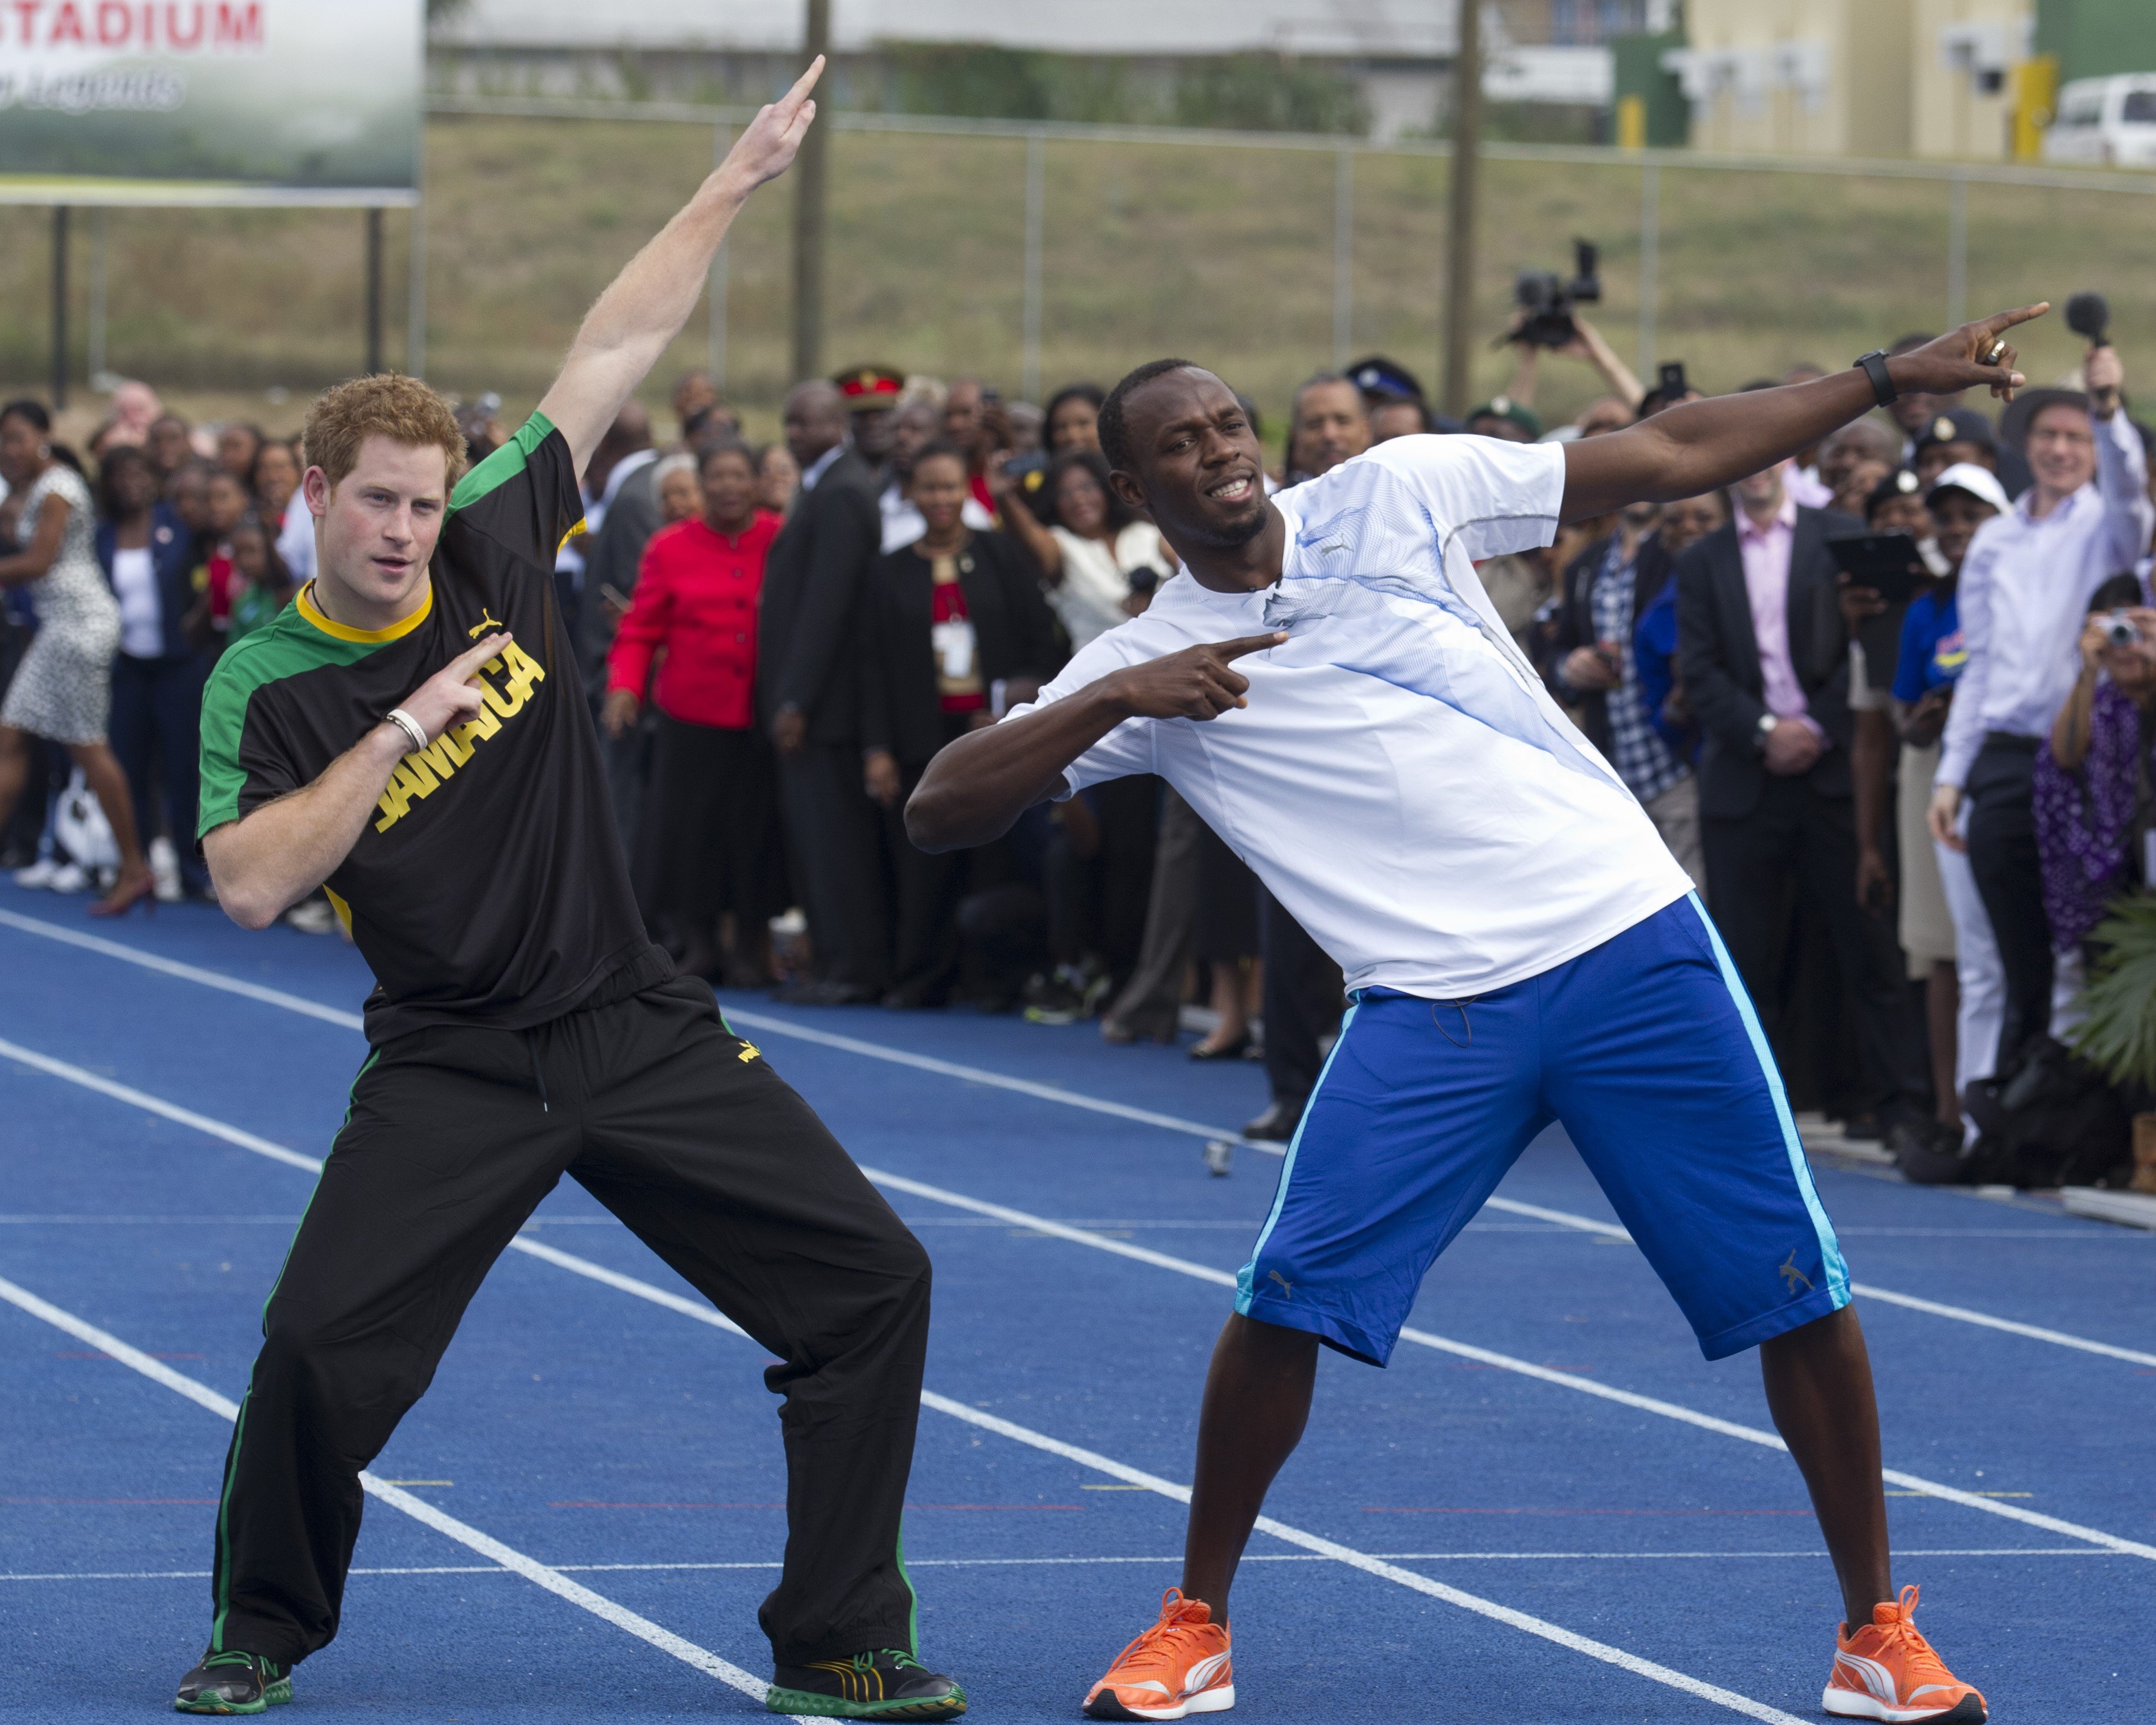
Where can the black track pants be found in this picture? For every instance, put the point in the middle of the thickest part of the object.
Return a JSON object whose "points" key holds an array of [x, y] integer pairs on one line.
{"points": [[679, 1128]]}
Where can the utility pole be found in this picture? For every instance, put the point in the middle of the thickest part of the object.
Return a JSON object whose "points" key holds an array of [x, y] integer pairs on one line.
{"points": [[60, 306], [810, 178], [1460, 224]]}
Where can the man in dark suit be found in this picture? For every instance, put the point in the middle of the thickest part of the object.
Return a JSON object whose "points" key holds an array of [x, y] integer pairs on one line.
{"points": [[808, 694], [1765, 664]]}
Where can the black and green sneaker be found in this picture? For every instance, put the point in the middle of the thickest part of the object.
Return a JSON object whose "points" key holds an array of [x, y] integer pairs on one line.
{"points": [[233, 1683], [884, 1685]]}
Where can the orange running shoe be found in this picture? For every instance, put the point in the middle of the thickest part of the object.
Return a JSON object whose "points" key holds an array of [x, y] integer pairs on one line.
{"points": [[1887, 1671], [1177, 1667]]}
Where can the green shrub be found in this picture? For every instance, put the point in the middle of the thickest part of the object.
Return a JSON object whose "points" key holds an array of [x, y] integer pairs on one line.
{"points": [[2118, 1036]]}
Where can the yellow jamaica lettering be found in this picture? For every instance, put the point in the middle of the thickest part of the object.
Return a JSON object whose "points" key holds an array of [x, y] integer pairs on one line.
{"points": [[423, 772]]}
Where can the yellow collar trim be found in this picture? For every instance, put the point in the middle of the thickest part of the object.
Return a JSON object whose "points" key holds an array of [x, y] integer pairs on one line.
{"points": [[404, 626]]}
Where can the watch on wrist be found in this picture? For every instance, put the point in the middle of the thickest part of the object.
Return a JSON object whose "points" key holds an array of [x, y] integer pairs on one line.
{"points": [[1767, 721], [1875, 367]]}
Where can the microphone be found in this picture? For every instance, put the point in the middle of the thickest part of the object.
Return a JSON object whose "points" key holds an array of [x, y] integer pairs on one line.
{"points": [[2089, 316]]}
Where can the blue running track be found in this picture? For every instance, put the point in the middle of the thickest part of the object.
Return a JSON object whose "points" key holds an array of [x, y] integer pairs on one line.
{"points": [[1549, 1509]]}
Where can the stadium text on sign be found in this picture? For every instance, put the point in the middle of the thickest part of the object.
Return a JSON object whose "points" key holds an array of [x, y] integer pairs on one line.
{"points": [[172, 26]]}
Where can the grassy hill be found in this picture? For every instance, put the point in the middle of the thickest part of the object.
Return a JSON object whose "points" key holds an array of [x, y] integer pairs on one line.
{"points": [[1224, 254]]}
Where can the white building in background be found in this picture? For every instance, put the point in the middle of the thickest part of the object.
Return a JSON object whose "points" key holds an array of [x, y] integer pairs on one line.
{"points": [[1931, 78], [1401, 51]]}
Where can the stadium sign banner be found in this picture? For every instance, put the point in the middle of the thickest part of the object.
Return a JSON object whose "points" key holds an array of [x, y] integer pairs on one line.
{"points": [[210, 101]]}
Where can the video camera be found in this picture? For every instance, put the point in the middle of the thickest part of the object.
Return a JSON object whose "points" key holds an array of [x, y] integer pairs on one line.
{"points": [[1546, 299]]}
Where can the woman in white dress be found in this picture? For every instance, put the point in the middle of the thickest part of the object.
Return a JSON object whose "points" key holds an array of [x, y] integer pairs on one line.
{"points": [[63, 689], [1089, 546]]}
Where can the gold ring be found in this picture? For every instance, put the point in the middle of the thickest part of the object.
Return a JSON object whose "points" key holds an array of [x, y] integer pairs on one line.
{"points": [[1991, 356]]}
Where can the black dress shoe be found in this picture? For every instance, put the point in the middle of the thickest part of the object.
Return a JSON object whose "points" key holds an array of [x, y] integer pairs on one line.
{"points": [[1277, 1124], [1221, 1051]]}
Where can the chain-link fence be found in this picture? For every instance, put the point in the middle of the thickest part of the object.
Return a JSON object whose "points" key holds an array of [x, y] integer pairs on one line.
{"points": [[1036, 254]]}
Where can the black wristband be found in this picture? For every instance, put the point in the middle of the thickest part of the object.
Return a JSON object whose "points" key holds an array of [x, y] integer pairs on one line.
{"points": [[1875, 368]]}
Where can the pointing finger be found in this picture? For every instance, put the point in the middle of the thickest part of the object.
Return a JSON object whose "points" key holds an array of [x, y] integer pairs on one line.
{"points": [[1249, 644], [801, 86], [2006, 319], [472, 658]]}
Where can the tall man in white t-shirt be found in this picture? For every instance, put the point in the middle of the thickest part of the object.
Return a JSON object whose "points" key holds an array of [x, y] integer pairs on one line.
{"points": [[1330, 688]]}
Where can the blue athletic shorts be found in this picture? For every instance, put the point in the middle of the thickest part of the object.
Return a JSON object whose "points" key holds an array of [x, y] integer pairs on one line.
{"points": [[1648, 1050]]}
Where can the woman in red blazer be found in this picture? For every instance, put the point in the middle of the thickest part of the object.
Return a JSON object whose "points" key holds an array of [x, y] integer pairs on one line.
{"points": [[709, 857]]}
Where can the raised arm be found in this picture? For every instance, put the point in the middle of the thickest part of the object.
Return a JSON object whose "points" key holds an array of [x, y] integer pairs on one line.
{"points": [[977, 786], [1705, 444], [631, 324], [266, 861], [2121, 471]]}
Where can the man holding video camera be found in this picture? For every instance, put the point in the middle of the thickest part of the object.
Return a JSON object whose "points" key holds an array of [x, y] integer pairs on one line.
{"points": [[2025, 590]]}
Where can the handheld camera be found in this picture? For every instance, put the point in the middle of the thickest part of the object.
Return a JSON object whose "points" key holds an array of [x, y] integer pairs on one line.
{"points": [[1548, 299]]}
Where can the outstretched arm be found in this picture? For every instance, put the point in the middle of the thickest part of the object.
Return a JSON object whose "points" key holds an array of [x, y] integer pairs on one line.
{"points": [[1704, 444], [629, 326], [978, 785]]}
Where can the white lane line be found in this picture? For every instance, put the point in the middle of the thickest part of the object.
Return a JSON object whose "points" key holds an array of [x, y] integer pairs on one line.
{"points": [[1483, 1356], [707, 1314], [1369, 1565], [1156, 1562], [1867, 1291], [173, 968], [556, 1582], [397, 1497], [1045, 1092]]}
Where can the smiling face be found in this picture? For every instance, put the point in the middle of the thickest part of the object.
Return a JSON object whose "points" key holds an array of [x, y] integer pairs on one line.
{"points": [[1200, 471], [376, 530], [276, 477], [939, 491], [1331, 424], [1955, 517], [2062, 448], [1080, 504], [22, 446], [1075, 425]]}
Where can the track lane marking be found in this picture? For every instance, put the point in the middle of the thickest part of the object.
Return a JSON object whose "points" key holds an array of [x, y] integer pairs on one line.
{"points": [[556, 1582], [771, 1026], [702, 1312], [505, 1557], [1156, 1562]]}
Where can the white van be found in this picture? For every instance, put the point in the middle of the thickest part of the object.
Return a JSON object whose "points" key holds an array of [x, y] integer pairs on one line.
{"points": [[2105, 122]]}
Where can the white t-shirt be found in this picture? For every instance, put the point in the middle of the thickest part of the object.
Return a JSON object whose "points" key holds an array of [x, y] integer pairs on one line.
{"points": [[295, 540], [1400, 780], [1096, 579], [141, 616]]}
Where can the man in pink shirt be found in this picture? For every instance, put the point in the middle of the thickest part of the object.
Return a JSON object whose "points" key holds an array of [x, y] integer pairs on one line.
{"points": [[1765, 664]]}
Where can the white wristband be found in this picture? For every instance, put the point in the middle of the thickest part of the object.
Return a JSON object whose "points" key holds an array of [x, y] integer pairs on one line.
{"points": [[409, 726]]}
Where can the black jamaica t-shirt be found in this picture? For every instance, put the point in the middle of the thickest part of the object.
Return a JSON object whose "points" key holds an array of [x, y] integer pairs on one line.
{"points": [[488, 887]]}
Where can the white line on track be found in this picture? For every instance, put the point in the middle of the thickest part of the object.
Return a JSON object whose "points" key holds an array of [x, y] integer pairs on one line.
{"points": [[771, 1026], [704, 1313], [506, 1557], [556, 1582], [1161, 1561], [1587, 1386]]}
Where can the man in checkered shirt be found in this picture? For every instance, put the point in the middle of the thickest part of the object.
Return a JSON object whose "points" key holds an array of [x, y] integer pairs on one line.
{"points": [[1597, 674]]}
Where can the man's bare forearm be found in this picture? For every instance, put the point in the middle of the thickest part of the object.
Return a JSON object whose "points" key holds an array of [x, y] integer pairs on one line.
{"points": [[641, 310], [1703, 445], [264, 863], [977, 786]]}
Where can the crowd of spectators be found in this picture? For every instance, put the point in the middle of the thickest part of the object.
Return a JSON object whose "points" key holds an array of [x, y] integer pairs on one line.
{"points": [[1891, 704]]}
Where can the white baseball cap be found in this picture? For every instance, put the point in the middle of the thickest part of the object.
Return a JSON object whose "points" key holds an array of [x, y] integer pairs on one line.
{"points": [[1980, 483]]}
